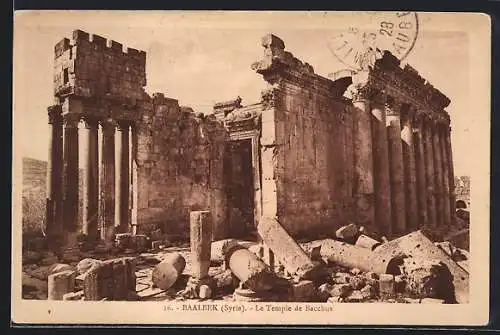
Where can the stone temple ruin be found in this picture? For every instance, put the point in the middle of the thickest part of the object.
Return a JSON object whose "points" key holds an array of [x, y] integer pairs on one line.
{"points": [[300, 163]]}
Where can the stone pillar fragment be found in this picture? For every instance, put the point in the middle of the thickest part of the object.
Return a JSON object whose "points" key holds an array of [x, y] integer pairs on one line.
{"points": [[55, 172], [410, 173], [60, 283], [71, 177], [438, 176], [381, 177], [201, 240], [420, 171], [91, 182], [393, 123], [363, 157], [134, 193], [446, 181], [286, 250], [108, 179], [429, 174]]}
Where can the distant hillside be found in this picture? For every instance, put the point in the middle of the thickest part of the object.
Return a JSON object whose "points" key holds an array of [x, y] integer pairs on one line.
{"points": [[34, 189], [34, 194]]}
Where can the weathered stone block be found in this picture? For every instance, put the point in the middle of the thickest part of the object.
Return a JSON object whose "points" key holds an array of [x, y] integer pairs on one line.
{"points": [[60, 283], [386, 286], [72, 296], [341, 290], [304, 290]]}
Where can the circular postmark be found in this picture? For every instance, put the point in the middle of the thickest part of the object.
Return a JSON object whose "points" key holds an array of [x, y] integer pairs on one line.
{"points": [[371, 34]]}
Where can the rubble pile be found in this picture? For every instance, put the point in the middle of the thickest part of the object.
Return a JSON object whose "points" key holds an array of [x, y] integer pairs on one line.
{"points": [[350, 266]]}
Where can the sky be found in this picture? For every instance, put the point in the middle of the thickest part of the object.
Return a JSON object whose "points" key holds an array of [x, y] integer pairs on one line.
{"points": [[204, 59]]}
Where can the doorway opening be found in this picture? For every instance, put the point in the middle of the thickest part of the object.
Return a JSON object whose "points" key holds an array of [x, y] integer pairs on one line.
{"points": [[240, 189]]}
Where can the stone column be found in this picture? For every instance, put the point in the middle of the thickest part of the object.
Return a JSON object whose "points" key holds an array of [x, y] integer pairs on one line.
{"points": [[108, 179], [124, 177], [91, 182], [71, 178], [429, 173], [446, 181], [55, 172], [200, 240], [393, 123], [363, 157], [118, 176], [134, 194], [381, 177], [410, 172], [451, 172], [420, 170], [438, 175]]}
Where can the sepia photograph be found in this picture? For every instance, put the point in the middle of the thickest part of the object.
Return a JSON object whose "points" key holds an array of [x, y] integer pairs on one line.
{"points": [[259, 167]]}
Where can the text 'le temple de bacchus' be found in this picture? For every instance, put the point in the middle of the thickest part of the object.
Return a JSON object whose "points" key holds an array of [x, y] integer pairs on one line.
{"points": [[304, 154]]}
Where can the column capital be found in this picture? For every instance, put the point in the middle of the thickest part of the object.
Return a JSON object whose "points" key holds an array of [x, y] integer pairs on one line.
{"points": [[90, 121], [71, 120], [124, 124], [55, 114], [362, 92], [393, 106], [108, 124]]}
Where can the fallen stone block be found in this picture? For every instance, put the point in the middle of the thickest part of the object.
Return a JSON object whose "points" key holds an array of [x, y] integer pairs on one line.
{"points": [[416, 245], [205, 292], [368, 292], [58, 267], [73, 296], [217, 247], [166, 273], [225, 280], [324, 291], [61, 283], [156, 245], [249, 269], [357, 282], [92, 288], [86, 264], [347, 233], [341, 290], [428, 279], [350, 256], [386, 286], [286, 250], [139, 242], [367, 242], [355, 296], [341, 278], [122, 241], [303, 291]]}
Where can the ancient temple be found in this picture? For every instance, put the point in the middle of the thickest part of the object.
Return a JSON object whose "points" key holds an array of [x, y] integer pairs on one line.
{"points": [[371, 147]]}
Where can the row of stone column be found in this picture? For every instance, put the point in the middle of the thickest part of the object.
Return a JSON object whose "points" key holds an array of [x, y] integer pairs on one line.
{"points": [[403, 165], [106, 186]]}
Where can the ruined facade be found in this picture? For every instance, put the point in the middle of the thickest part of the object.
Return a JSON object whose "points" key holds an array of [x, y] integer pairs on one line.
{"points": [[305, 154]]}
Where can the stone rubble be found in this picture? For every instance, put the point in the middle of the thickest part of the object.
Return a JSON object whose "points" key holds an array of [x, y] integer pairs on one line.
{"points": [[240, 271]]}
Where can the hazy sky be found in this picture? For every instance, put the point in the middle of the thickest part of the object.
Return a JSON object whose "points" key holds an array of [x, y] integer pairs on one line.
{"points": [[200, 60]]}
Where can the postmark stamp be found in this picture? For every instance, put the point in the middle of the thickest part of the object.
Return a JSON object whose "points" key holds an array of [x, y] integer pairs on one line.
{"points": [[373, 33]]}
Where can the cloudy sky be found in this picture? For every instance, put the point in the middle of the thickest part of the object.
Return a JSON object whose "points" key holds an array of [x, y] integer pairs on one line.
{"points": [[202, 59]]}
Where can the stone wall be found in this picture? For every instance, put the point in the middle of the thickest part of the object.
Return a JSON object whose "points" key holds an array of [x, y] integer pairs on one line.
{"points": [[91, 66], [307, 162], [179, 158]]}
